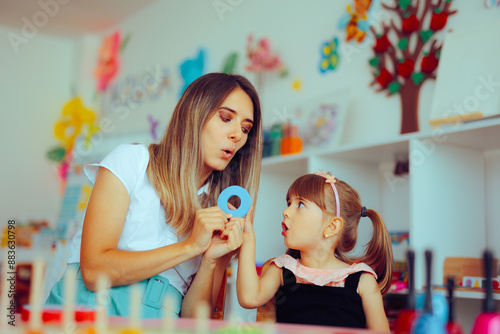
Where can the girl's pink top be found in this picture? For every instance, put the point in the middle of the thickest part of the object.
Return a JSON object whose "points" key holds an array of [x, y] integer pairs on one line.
{"points": [[322, 277]]}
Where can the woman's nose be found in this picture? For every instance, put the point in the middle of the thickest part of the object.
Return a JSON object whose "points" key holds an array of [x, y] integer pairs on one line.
{"points": [[236, 134]]}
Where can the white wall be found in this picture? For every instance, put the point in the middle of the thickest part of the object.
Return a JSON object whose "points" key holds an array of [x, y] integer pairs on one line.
{"points": [[35, 82]]}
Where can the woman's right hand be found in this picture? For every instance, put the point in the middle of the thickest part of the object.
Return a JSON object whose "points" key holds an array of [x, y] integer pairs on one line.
{"points": [[206, 222]]}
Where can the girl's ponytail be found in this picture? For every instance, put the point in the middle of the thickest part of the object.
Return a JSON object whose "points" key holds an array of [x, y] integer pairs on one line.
{"points": [[378, 254]]}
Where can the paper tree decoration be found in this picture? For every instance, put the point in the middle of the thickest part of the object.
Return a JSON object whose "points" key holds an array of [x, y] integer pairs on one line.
{"points": [[407, 52]]}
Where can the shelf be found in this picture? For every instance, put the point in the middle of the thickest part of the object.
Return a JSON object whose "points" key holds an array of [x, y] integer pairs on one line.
{"points": [[458, 292], [467, 293], [481, 134]]}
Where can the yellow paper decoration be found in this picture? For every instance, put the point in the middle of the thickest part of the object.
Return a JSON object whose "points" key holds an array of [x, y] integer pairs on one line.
{"points": [[74, 117]]}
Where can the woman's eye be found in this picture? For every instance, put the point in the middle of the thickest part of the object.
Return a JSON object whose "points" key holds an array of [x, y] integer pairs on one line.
{"points": [[301, 205], [245, 130]]}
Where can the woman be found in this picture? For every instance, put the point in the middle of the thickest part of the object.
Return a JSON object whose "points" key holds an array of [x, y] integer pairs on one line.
{"points": [[152, 219]]}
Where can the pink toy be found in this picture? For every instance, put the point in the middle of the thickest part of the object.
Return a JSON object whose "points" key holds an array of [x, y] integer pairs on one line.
{"points": [[488, 322]]}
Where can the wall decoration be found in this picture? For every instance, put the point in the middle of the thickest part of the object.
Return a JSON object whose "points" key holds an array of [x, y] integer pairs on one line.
{"points": [[356, 21], [322, 119], [297, 84], [230, 63], [406, 52], [153, 125], [191, 69], [75, 119], [108, 61], [491, 3], [329, 55], [263, 60], [128, 93]]}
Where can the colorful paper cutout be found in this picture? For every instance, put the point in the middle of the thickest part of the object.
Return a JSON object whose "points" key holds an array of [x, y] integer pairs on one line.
{"points": [[263, 60], [230, 63], [400, 67], [357, 20], [491, 3], [329, 55], [74, 116], [297, 84], [153, 124], [191, 69], [108, 61]]}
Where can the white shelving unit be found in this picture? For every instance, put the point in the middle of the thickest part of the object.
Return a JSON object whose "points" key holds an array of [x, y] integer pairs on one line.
{"points": [[446, 202]]}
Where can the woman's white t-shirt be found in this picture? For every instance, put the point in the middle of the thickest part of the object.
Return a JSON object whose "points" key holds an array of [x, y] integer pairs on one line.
{"points": [[145, 227]]}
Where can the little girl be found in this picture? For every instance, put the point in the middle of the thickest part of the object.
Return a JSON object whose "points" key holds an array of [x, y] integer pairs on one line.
{"points": [[315, 282]]}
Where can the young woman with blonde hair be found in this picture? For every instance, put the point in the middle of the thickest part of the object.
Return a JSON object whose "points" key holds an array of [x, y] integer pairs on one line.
{"points": [[152, 219]]}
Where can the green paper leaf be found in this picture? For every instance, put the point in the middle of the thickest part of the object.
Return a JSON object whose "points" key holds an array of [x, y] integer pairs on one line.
{"points": [[404, 4], [403, 44], [425, 35], [125, 42], [394, 87], [417, 78], [56, 154], [230, 63], [374, 62], [284, 73]]}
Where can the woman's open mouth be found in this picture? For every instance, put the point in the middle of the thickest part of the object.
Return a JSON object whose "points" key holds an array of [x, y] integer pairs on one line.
{"points": [[227, 154]]}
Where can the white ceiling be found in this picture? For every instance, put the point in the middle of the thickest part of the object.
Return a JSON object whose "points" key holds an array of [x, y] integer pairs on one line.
{"points": [[68, 18]]}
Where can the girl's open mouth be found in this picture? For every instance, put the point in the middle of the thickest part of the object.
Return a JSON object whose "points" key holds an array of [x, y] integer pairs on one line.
{"points": [[285, 229]]}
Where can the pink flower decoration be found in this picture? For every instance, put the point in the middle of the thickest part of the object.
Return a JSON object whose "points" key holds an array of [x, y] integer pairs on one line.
{"points": [[108, 62], [261, 57]]}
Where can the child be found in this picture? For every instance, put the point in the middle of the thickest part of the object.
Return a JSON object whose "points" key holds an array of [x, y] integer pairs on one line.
{"points": [[315, 282]]}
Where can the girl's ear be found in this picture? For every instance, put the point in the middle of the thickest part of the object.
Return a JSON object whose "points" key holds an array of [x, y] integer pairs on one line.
{"points": [[333, 227]]}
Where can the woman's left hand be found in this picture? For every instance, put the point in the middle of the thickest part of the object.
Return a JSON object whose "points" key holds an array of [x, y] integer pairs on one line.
{"points": [[227, 241], [230, 239]]}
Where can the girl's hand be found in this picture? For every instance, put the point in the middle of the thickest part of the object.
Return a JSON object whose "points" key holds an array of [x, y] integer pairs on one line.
{"points": [[229, 240], [248, 232], [207, 221]]}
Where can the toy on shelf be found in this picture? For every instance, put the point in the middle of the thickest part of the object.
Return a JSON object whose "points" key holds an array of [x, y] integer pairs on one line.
{"points": [[428, 322], [488, 322], [291, 143], [462, 268], [452, 326], [406, 317]]}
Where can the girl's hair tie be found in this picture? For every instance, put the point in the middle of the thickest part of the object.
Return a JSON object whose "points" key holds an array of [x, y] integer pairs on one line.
{"points": [[331, 180], [363, 211]]}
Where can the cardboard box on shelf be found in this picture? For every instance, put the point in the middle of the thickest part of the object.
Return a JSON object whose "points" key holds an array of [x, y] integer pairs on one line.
{"points": [[460, 267]]}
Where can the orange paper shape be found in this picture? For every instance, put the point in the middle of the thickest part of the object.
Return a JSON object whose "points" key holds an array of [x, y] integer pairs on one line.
{"points": [[108, 62]]}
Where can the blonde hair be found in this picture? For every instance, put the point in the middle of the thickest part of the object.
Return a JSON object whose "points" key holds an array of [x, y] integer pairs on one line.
{"points": [[176, 162], [378, 254]]}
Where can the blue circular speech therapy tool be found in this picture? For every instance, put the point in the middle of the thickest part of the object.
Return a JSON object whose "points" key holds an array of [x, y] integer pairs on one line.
{"points": [[239, 192]]}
